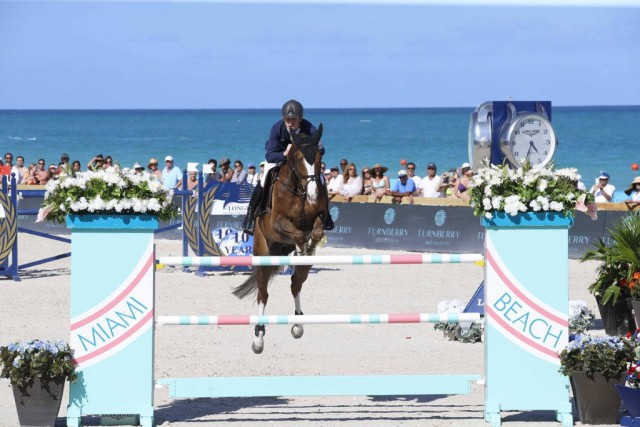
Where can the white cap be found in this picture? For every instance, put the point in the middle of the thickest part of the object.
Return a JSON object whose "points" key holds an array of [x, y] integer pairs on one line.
{"points": [[168, 159], [137, 165], [466, 165], [402, 172]]}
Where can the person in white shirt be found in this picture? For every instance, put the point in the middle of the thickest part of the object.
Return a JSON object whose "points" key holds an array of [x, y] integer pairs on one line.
{"points": [[411, 173], [333, 186], [431, 185], [350, 183], [602, 190]]}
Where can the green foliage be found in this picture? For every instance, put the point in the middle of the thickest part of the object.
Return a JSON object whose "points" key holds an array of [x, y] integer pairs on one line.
{"points": [[618, 273], [607, 355], [48, 360]]}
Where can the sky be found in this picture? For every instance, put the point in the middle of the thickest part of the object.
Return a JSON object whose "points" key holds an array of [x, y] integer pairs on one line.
{"points": [[208, 54]]}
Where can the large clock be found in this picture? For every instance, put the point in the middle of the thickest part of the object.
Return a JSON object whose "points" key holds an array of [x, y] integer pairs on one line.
{"points": [[527, 136]]}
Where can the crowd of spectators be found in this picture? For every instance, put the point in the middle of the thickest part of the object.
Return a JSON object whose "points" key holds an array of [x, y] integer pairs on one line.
{"points": [[344, 182]]}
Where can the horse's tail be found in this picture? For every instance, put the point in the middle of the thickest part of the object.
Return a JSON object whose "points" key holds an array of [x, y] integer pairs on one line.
{"points": [[248, 287]]}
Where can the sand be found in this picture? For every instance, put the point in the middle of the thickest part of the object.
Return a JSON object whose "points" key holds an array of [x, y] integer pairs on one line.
{"points": [[38, 307]]}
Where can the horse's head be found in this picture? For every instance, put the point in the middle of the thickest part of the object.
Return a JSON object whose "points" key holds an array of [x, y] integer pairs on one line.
{"points": [[304, 158]]}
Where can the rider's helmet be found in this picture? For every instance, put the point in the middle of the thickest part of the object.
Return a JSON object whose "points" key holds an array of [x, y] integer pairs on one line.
{"points": [[292, 108]]}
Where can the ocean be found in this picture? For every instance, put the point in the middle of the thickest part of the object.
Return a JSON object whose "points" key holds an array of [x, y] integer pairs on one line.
{"points": [[591, 139]]}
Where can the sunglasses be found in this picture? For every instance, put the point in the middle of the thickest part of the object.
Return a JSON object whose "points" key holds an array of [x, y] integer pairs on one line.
{"points": [[410, 168], [41, 163], [153, 164], [343, 164], [365, 171]]}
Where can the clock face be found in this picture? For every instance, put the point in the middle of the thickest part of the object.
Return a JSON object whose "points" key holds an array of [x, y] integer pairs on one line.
{"points": [[531, 138]]}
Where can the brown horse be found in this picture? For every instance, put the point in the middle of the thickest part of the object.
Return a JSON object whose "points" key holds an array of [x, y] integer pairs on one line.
{"points": [[294, 223]]}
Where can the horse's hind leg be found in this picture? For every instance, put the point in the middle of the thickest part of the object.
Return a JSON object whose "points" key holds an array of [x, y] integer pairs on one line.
{"points": [[264, 274], [300, 274]]}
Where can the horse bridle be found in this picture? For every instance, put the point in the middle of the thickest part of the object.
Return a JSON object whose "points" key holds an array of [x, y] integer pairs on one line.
{"points": [[301, 187]]}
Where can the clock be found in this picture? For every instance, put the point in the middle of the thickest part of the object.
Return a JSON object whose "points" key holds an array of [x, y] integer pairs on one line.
{"points": [[480, 130], [527, 136]]}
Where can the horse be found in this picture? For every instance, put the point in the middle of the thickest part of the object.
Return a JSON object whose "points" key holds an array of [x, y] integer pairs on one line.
{"points": [[294, 223]]}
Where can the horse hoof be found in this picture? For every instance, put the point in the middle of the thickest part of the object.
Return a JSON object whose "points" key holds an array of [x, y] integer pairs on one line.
{"points": [[297, 331], [257, 348]]}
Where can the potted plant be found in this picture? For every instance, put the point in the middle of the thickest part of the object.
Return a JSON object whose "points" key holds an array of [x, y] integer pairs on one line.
{"points": [[37, 371], [595, 365], [630, 393], [106, 192], [580, 317], [617, 274], [448, 328]]}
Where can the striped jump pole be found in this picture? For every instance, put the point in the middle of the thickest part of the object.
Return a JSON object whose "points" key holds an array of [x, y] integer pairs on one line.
{"points": [[321, 260], [319, 319]]}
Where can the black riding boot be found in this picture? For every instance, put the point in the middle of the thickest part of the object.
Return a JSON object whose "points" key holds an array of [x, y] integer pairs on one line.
{"points": [[328, 221], [249, 222]]}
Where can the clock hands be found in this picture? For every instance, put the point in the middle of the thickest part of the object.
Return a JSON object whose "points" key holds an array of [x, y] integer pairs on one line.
{"points": [[531, 145]]}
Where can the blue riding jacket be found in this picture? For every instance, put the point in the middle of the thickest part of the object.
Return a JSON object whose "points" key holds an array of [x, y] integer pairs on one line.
{"points": [[279, 138]]}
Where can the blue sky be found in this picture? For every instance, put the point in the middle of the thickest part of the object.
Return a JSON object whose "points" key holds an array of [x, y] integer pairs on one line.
{"points": [[254, 55]]}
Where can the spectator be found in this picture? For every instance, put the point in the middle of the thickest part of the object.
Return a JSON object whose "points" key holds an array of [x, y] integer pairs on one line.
{"points": [[333, 186], [192, 181], [460, 191], [96, 163], [24, 171], [323, 167], [411, 173], [225, 170], [258, 176], [404, 187], [137, 168], [343, 165], [251, 173], [634, 190], [453, 183], [108, 164], [30, 177], [602, 190], [42, 174], [431, 185], [64, 158], [379, 182], [8, 161], [350, 183], [327, 177], [239, 174], [53, 171], [214, 175], [170, 174], [152, 168], [76, 166], [366, 181]]}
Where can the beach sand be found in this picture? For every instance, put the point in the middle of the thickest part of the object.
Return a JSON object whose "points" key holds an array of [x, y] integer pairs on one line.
{"points": [[38, 307]]}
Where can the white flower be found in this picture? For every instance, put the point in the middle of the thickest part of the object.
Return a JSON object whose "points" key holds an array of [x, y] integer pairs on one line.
{"points": [[542, 185], [488, 215]]}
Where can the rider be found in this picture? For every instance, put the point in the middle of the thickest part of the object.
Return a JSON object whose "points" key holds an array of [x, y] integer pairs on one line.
{"points": [[277, 148]]}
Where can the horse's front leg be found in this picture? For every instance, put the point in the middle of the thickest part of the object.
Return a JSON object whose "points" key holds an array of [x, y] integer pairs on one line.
{"points": [[300, 274], [285, 227], [317, 233]]}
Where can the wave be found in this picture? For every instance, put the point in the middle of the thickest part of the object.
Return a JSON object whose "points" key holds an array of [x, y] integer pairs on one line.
{"points": [[20, 138], [365, 121]]}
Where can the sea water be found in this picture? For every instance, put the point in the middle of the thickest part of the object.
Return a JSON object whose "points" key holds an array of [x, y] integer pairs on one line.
{"points": [[591, 139]]}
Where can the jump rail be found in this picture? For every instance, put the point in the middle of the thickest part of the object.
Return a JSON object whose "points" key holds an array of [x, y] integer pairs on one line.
{"points": [[321, 260], [319, 319]]}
